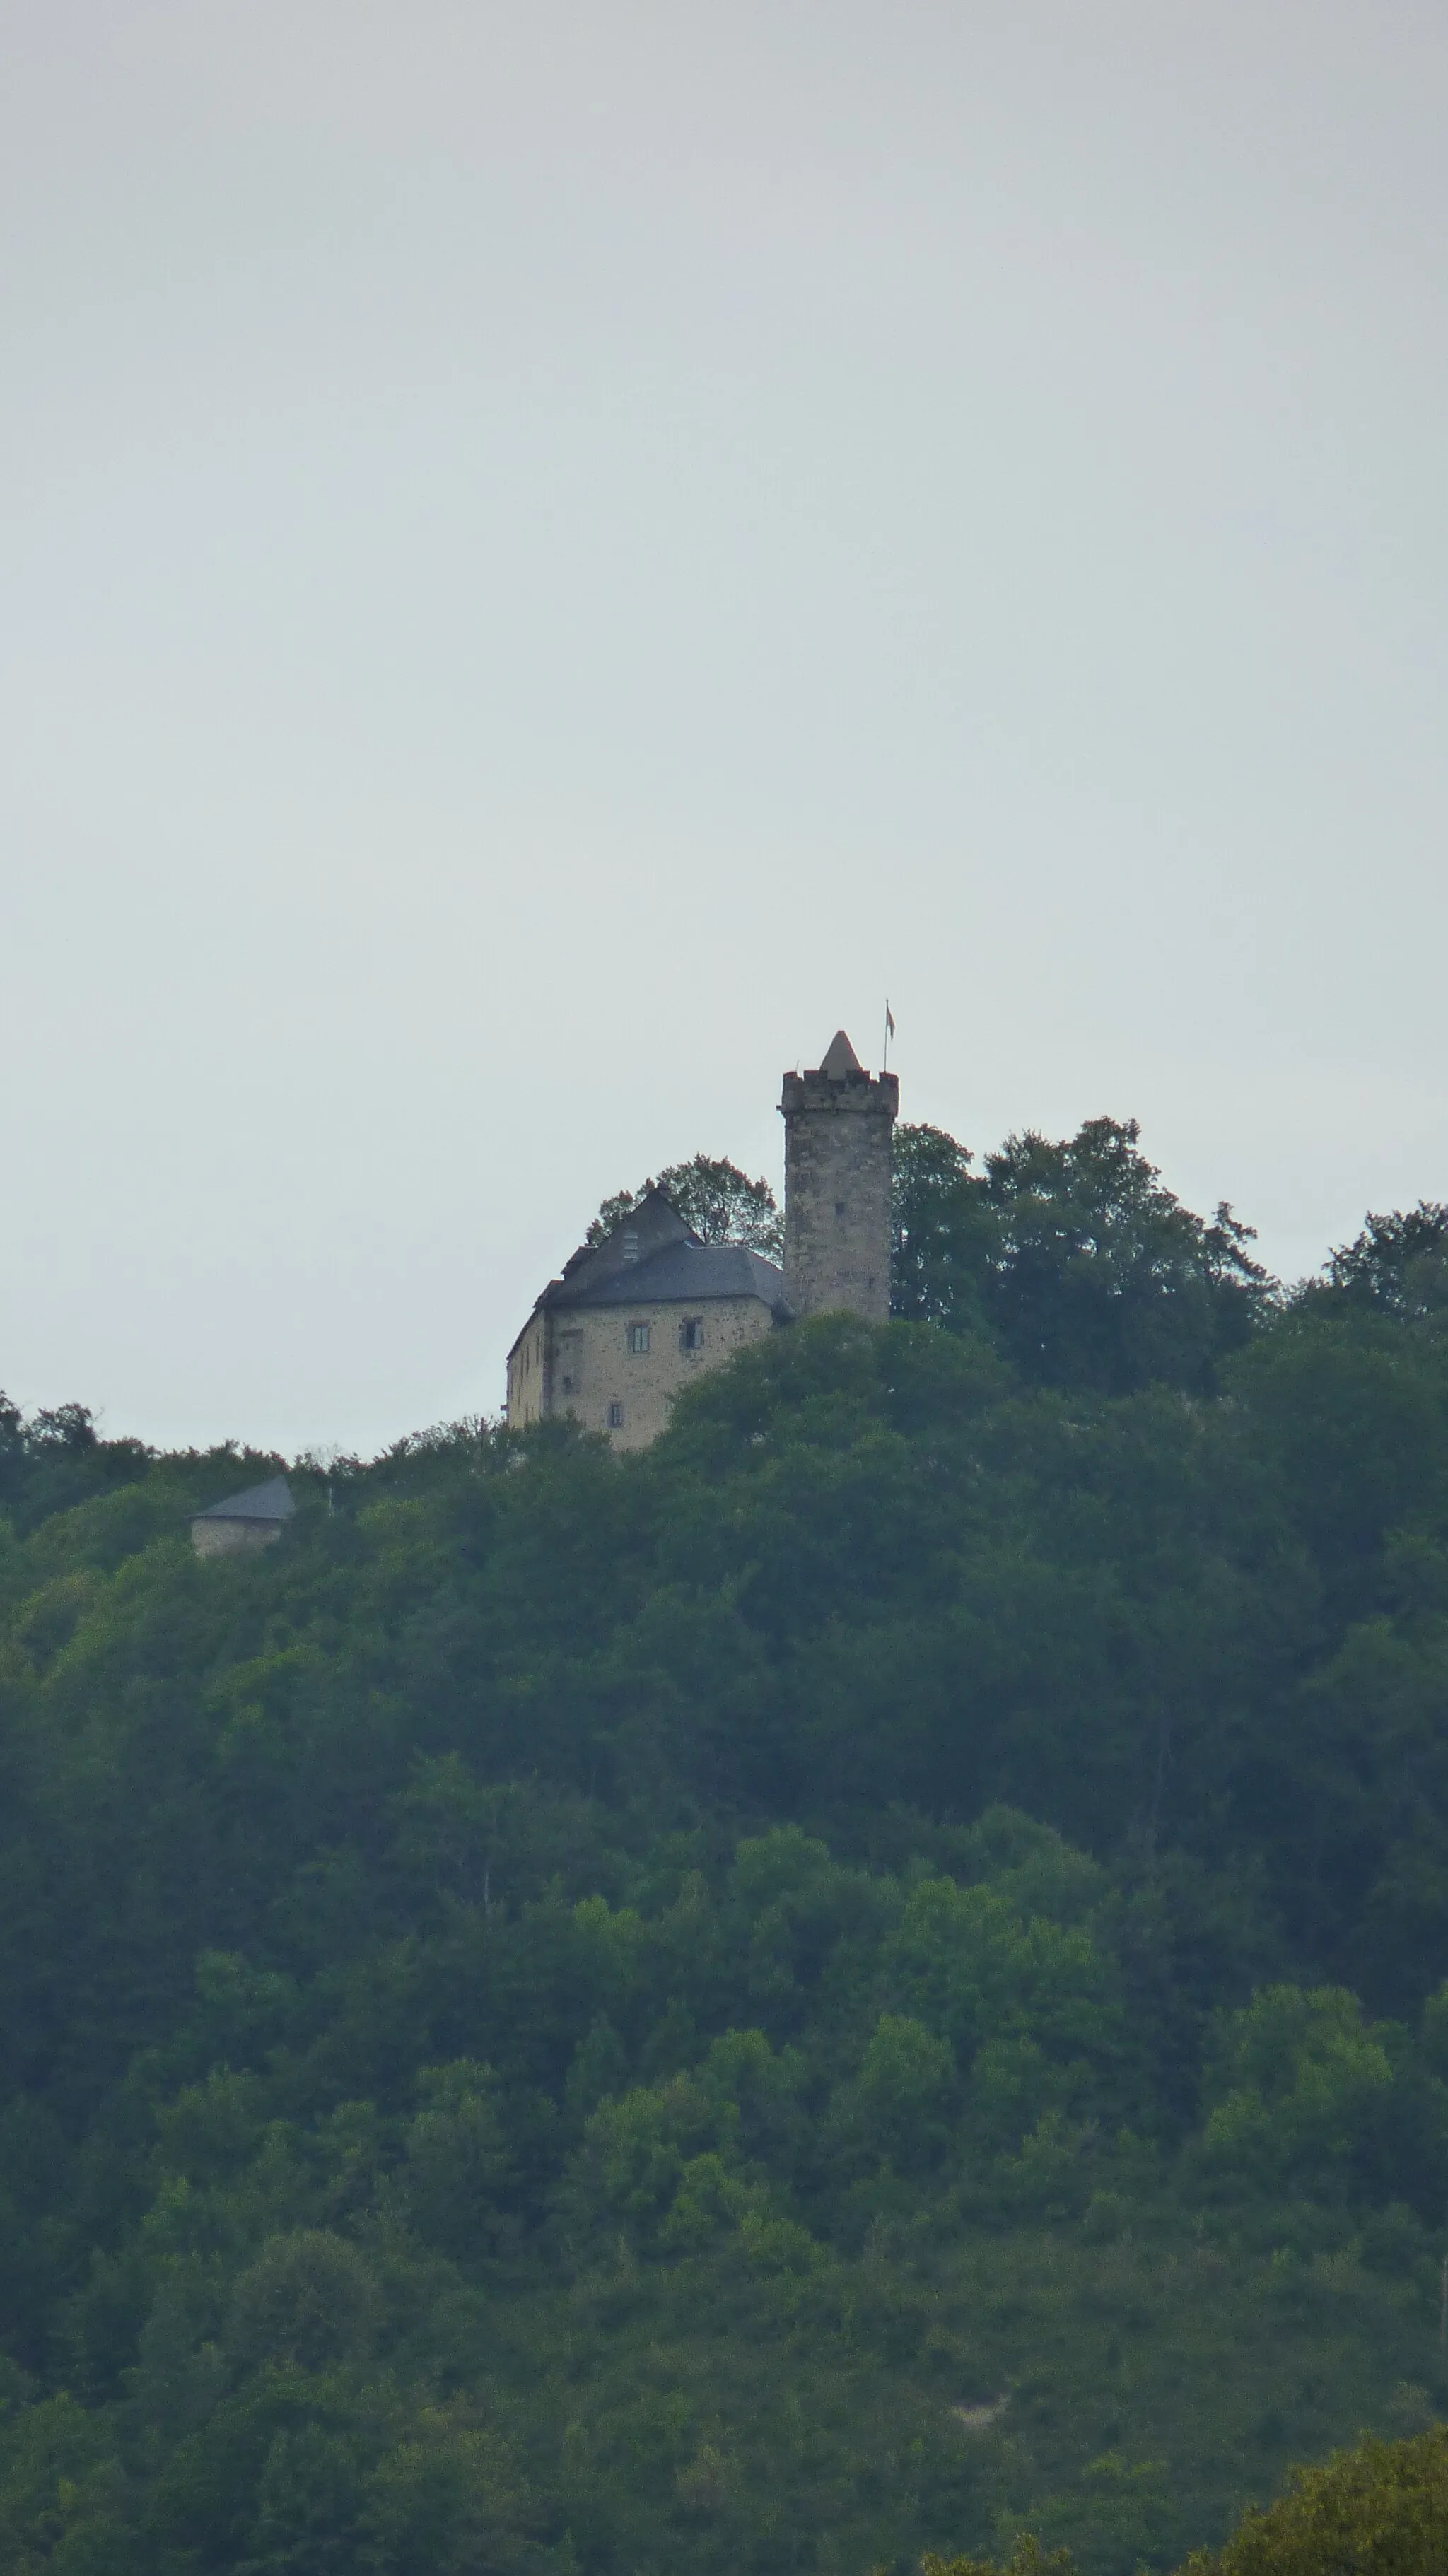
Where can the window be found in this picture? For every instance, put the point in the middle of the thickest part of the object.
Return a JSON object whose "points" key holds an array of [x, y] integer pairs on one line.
{"points": [[839, 1207], [615, 1417], [691, 1333], [638, 1337], [631, 1244]]}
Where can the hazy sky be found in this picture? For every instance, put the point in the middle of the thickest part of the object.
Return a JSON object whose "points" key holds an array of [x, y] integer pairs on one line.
{"points": [[555, 552]]}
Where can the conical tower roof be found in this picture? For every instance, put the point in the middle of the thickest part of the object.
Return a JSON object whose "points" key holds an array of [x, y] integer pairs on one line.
{"points": [[841, 1059]]}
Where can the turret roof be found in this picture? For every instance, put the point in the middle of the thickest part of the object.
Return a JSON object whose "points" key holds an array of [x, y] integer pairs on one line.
{"points": [[269, 1502], [840, 1059]]}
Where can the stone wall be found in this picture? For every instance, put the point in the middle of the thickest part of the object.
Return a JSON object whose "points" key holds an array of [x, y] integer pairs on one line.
{"points": [[233, 1538], [584, 1364], [837, 1216], [528, 1374]]}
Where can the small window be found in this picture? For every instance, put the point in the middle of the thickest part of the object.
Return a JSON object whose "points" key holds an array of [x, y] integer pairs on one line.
{"points": [[638, 1337], [568, 1386], [839, 1207], [691, 1333], [615, 1417], [631, 1244]]}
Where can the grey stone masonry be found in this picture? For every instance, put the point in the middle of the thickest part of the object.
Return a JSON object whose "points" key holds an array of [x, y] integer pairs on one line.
{"points": [[838, 1126]]}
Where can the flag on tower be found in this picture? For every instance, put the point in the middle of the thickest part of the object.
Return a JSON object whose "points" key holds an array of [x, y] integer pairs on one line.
{"points": [[889, 1018]]}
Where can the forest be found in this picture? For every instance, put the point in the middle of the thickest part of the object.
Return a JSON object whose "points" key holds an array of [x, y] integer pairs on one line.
{"points": [[868, 1981]]}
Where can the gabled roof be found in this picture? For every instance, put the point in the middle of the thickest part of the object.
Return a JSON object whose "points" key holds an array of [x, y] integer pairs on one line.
{"points": [[685, 1272], [269, 1502], [654, 1222]]}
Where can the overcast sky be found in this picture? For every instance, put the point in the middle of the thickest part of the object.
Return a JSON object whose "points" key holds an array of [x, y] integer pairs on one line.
{"points": [[556, 552]]}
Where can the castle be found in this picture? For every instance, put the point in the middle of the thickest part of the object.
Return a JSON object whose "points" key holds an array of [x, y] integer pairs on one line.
{"points": [[638, 1316]]}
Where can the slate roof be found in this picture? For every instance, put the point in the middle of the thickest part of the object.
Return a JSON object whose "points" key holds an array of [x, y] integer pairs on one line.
{"points": [[269, 1502], [680, 1273], [648, 1227]]}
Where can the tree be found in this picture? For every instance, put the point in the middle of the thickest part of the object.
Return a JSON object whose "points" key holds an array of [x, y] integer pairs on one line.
{"points": [[308, 2299], [63, 1426], [457, 2158], [941, 1230], [718, 1202], [899, 2105], [449, 2501], [1091, 1273], [57, 1459], [1301, 2090], [1100, 1277], [1381, 2508], [1397, 1266], [1027, 2558]]}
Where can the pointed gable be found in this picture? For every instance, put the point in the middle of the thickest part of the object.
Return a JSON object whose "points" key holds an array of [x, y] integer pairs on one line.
{"points": [[647, 1229]]}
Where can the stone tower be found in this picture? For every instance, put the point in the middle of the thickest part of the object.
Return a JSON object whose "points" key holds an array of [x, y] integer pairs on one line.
{"points": [[837, 1131]]}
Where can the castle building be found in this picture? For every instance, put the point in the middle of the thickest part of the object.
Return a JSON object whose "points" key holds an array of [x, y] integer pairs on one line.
{"points": [[635, 1318]]}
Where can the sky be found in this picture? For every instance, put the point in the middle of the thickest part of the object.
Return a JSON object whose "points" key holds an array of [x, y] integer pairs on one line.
{"points": [[554, 554]]}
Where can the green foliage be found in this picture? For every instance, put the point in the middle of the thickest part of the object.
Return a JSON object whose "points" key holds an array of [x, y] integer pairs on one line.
{"points": [[718, 1202], [309, 2300], [872, 1978], [447, 2501], [1087, 1269], [1304, 2090], [1398, 1265], [1381, 2508], [58, 1459], [943, 1236], [458, 2161], [1027, 2558]]}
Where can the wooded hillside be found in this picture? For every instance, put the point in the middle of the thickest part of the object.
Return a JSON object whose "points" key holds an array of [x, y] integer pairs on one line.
{"points": [[867, 1978]]}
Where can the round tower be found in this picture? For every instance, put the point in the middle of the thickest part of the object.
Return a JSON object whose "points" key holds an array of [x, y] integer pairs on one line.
{"points": [[838, 1124]]}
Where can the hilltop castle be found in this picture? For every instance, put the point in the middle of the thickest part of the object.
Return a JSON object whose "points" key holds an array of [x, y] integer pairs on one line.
{"points": [[636, 1317]]}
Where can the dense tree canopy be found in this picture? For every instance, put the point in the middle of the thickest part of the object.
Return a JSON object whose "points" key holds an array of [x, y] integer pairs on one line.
{"points": [[1088, 1270], [58, 1458], [942, 1231], [1379, 2509], [1398, 1265], [872, 1978]]}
